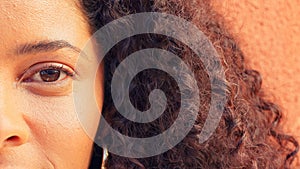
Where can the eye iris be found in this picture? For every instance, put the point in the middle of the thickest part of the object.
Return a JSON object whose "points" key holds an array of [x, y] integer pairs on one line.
{"points": [[49, 75]]}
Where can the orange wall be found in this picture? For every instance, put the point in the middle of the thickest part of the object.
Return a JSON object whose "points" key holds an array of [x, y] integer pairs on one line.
{"points": [[269, 36]]}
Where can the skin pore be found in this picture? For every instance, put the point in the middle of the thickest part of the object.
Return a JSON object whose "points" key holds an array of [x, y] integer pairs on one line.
{"points": [[40, 42], [39, 128]]}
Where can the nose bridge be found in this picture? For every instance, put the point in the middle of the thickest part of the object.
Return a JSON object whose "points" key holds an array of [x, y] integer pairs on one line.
{"points": [[6, 93], [13, 128]]}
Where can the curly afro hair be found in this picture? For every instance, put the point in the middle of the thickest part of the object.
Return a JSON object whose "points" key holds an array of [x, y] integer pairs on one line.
{"points": [[248, 135]]}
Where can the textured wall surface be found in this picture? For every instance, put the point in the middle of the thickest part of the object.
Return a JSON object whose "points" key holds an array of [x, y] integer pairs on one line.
{"points": [[269, 35]]}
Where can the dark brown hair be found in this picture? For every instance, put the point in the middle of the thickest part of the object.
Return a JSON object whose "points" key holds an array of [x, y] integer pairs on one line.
{"points": [[248, 135]]}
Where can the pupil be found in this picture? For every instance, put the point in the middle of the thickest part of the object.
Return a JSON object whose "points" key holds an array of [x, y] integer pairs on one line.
{"points": [[49, 75]]}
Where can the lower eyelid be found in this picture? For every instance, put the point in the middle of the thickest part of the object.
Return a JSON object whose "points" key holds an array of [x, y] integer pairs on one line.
{"points": [[49, 89]]}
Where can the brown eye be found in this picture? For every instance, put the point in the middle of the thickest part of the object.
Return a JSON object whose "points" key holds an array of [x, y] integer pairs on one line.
{"points": [[48, 79], [50, 75], [47, 73]]}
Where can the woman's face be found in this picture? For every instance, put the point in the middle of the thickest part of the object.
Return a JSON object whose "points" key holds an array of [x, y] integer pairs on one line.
{"points": [[40, 42]]}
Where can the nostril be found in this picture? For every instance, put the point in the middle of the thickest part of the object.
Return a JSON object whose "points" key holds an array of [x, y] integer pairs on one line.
{"points": [[13, 139], [12, 133]]}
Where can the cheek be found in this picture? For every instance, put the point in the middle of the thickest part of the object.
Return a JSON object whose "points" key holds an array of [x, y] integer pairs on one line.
{"points": [[56, 128]]}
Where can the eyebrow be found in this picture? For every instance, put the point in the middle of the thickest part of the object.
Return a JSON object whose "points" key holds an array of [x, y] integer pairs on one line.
{"points": [[45, 46]]}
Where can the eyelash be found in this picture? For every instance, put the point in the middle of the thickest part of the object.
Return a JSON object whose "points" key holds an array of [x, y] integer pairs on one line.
{"points": [[57, 66]]}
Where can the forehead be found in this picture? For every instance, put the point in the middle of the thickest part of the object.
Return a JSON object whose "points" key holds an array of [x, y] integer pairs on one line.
{"points": [[33, 20]]}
